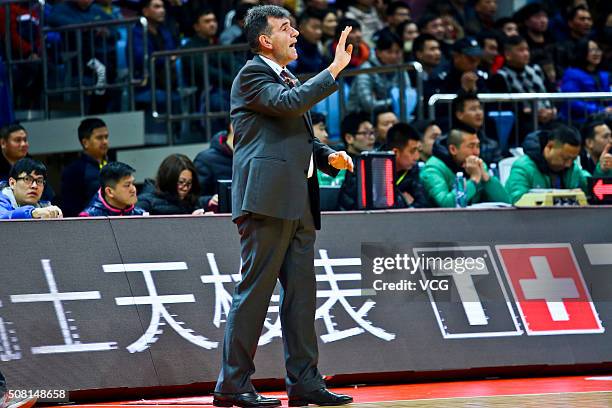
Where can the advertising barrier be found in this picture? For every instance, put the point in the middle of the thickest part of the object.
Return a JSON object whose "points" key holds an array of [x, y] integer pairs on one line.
{"points": [[138, 302]]}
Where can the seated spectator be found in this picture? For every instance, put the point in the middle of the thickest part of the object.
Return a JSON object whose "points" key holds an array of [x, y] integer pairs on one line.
{"points": [[433, 25], [408, 31], [491, 61], [174, 191], [359, 136], [550, 162], [404, 141], [81, 178], [25, 40], [469, 116], [14, 145], [361, 50], [459, 152], [212, 165], [365, 12], [397, 13], [507, 26], [159, 38], [597, 141], [480, 17], [117, 194], [429, 132], [383, 120], [329, 24], [579, 25], [534, 29], [518, 76], [461, 75], [373, 91], [426, 50], [308, 44], [21, 197], [584, 75]]}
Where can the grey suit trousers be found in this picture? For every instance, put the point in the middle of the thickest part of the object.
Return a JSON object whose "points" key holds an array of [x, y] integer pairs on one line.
{"points": [[271, 249]]}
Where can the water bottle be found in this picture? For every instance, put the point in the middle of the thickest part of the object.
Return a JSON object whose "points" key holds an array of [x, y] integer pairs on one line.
{"points": [[460, 196], [493, 171]]}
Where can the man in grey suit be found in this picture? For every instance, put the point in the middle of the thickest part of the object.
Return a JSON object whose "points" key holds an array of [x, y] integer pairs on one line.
{"points": [[275, 204]]}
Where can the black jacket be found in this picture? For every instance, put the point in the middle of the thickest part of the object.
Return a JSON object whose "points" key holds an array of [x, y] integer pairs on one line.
{"points": [[80, 183], [212, 165], [158, 203]]}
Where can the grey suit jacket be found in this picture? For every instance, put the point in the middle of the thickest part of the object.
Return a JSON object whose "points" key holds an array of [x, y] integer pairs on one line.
{"points": [[273, 141]]}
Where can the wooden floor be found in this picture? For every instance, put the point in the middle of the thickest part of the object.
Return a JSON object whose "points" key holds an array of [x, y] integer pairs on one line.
{"points": [[566, 392]]}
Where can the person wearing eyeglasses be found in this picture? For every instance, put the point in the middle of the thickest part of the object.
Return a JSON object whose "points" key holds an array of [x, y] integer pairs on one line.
{"points": [[20, 198], [359, 136], [175, 191]]}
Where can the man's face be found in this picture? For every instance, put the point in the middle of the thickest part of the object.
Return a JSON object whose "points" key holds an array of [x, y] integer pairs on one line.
{"points": [[355, 37], [429, 138], [472, 114], [431, 54], [581, 23], [518, 55], [598, 143], [436, 28], [470, 146], [16, 146], [363, 140], [27, 188], [123, 194], [281, 41], [465, 63], [320, 132], [486, 8], [96, 145], [510, 29], [560, 156], [489, 50], [391, 56], [155, 11], [538, 22], [206, 26], [384, 121], [311, 30], [407, 156], [401, 14]]}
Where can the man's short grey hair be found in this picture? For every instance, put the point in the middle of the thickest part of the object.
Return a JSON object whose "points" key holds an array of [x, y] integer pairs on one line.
{"points": [[256, 23]]}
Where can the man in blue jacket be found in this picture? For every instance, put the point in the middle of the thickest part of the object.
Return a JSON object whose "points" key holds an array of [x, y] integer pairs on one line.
{"points": [[20, 198]]}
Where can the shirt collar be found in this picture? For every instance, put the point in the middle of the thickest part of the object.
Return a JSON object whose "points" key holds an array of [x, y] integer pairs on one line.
{"points": [[275, 67]]}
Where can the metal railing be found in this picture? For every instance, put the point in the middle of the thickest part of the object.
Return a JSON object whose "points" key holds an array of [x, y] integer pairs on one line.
{"points": [[191, 101], [91, 45], [488, 99], [202, 75]]}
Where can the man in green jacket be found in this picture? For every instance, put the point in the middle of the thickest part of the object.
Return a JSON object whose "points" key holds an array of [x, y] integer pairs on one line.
{"points": [[459, 152], [550, 162]]}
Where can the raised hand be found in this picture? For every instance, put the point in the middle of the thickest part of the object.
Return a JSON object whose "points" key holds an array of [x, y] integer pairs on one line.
{"points": [[343, 53], [605, 160]]}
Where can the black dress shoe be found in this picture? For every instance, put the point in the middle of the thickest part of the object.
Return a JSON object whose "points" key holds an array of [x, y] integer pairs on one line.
{"points": [[247, 399], [321, 396]]}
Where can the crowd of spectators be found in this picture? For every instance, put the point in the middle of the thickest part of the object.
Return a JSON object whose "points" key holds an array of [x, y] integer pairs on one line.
{"points": [[464, 47]]}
